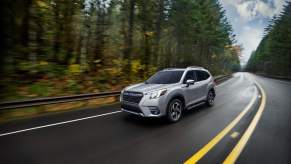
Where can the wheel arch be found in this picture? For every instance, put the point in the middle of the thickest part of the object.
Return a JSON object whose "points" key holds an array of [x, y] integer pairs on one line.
{"points": [[212, 90], [179, 97]]}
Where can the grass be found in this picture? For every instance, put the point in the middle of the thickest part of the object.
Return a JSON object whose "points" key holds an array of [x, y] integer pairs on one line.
{"points": [[39, 89]]}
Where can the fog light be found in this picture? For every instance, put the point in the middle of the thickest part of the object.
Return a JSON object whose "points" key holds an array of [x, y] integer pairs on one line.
{"points": [[154, 110]]}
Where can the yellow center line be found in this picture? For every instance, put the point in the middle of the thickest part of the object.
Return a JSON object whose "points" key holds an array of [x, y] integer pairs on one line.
{"points": [[196, 157], [234, 154]]}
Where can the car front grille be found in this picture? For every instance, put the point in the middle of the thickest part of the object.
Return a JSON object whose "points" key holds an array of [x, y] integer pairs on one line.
{"points": [[133, 97], [131, 108]]}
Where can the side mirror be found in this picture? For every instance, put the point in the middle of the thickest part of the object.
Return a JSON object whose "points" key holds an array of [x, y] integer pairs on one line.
{"points": [[190, 82]]}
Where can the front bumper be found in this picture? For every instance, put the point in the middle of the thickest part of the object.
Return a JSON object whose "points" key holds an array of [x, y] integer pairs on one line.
{"points": [[144, 111], [146, 107]]}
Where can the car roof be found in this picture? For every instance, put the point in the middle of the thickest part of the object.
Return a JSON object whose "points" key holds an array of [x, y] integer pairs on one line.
{"points": [[174, 69], [183, 69]]}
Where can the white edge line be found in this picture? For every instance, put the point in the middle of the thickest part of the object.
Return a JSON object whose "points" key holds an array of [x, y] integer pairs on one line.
{"points": [[59, 123]]}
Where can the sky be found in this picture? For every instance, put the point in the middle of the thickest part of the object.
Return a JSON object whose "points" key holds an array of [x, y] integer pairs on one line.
{"points": [[248, 19]]}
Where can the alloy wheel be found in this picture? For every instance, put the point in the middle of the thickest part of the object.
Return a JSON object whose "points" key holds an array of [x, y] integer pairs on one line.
{"points": [[176, 110], [210, 98]]}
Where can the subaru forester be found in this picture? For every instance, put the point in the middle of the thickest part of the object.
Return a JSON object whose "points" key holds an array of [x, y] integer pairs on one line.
{"points": [[169, 92]]}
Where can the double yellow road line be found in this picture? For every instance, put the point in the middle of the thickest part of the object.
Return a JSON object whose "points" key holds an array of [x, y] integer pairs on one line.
{"points": [[234, 154]]}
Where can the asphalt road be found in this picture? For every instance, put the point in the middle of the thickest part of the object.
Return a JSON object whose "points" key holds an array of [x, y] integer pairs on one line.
{"points": [[106, 135]]}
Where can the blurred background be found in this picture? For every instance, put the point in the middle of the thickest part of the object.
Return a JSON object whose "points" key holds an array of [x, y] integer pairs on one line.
{"points": [[64, 47], [55, 48]]}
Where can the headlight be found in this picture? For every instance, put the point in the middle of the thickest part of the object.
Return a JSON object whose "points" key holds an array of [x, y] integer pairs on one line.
{"points": [[120, 97], [158, 94]]}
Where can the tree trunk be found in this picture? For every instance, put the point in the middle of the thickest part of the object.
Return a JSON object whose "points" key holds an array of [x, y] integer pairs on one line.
{"points": [[145, 44], [25, 28], [99, 32], [69, 41], [128, 35], [88, 25], [159, 23], [57, 36], [39, 38], [79, 48], [201, 52]]}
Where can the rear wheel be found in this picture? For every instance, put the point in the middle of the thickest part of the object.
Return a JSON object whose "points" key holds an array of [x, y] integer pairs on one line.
{"points": [[210, 98], [174, 111]]}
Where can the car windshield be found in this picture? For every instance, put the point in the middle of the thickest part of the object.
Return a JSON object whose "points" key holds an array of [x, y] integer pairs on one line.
{"points": [[165, 77]]}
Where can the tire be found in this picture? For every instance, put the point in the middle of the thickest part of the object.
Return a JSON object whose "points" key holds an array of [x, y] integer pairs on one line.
{"points": [[174, 111], [210, 98]]}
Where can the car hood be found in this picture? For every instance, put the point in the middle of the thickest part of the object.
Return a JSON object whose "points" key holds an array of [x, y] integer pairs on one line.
{"points": [[142, 87]]}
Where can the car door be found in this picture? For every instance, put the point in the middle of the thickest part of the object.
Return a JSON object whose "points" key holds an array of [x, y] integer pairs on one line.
{"points": [[190, 91], [201, 84]]}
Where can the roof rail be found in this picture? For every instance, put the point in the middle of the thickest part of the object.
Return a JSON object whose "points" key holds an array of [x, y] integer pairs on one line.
{"points": [[195, 67], [172, 68]]}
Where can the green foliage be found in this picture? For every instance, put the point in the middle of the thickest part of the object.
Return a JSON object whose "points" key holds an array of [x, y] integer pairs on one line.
{"points": [[58, 47], [273, 55], [201, 31], [73, 86], [38, 89], [42, 68], [75, 69]]}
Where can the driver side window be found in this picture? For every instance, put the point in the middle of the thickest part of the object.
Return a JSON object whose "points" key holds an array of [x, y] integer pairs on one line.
{"points": [[189, 76]]}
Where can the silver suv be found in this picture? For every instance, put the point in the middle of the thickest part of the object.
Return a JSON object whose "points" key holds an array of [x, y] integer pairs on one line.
{"points": [[169, 92]]}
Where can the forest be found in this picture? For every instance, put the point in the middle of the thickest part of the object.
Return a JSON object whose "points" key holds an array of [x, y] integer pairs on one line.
{"points": [[64, 47], [273, 55]]}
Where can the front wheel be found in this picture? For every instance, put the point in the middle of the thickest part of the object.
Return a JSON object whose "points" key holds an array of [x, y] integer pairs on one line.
{"points": [[174, 111], [210, 98]]}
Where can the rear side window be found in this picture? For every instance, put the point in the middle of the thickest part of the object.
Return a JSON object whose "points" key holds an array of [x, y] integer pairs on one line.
{"points": [[202, 75], [190, 75]]}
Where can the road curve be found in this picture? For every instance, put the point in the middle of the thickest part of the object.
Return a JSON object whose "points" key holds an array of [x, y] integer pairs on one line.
{"points": [[104, 135]]}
